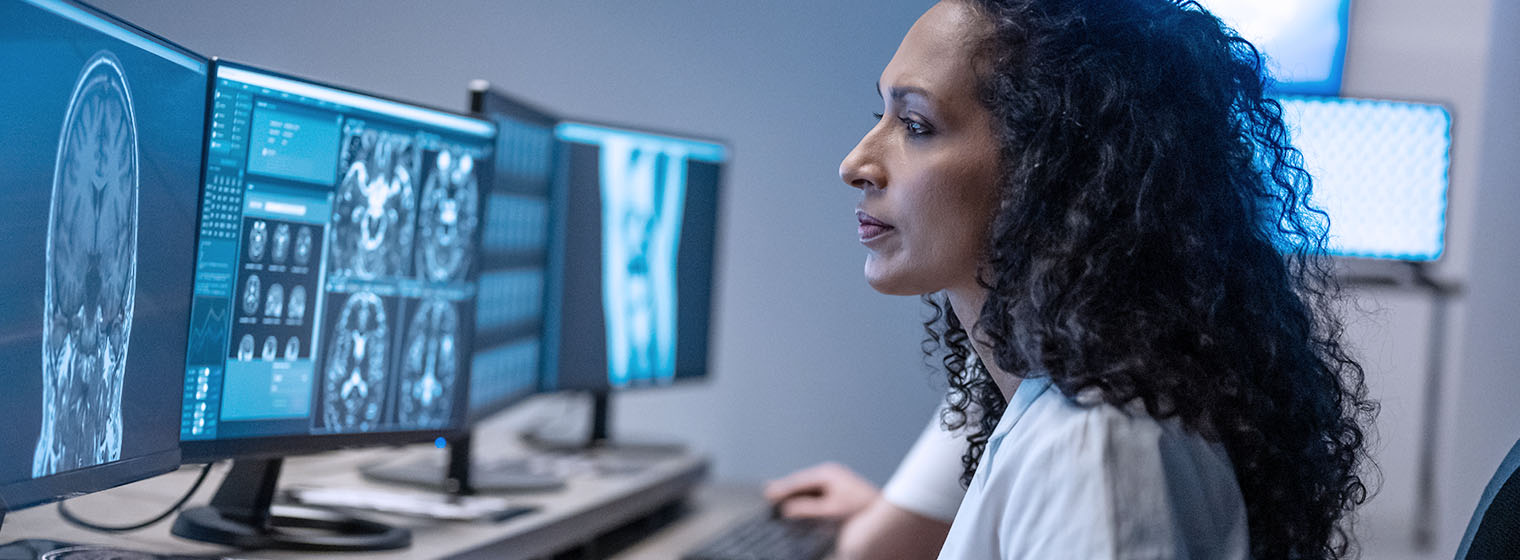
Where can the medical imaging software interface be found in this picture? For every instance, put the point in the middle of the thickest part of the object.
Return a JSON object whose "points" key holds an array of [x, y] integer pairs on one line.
{"points": [[101, 147], [335, 272], [642, 213], [509, 318]]}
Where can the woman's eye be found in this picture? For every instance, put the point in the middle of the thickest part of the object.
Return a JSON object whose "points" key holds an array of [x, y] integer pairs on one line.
{"points": [[914, 127]]}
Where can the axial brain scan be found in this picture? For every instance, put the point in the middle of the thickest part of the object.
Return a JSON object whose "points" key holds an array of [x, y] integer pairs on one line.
{"points": [[258, 235], [274, 303], [429, 365], [91, 273], [296, 311], [449, 214], [245, 348], [251, 295], [354, 378], [303, 246], [375, 205], [281, 244]]}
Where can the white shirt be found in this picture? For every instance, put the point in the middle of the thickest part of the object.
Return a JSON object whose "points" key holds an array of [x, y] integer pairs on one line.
{"points": [[927, 481], [1059, 480]]}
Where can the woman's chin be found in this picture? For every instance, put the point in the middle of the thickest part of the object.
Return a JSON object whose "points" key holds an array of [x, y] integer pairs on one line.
{"points": [[891, 282]]}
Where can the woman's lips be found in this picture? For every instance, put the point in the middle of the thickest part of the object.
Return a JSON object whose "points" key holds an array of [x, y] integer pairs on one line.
{"points": [[870, 228]]}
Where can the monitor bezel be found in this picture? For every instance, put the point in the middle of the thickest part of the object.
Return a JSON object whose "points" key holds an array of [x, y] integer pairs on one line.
{"points": [[719, 233], [200, 451], [25, 493], [485, 101]]}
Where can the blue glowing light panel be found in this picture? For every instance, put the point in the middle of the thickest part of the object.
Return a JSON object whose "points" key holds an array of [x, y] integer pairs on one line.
{"points": [[1380, 172], [101, 148], [640, 235], [1304, 41], [335, 278]]}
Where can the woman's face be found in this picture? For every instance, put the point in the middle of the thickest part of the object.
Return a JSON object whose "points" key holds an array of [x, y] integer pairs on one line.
{"points": [[927, 172]]}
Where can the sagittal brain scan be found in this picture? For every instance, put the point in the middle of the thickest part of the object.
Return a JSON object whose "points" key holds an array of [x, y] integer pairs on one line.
{"points": [[354, 378], [448, 217], [251, 295], [296, 311], [281, 244], [303, 246], [429, 365], [375, 205], [257, 238], [642, 201], [91, 273], [274, 302]]}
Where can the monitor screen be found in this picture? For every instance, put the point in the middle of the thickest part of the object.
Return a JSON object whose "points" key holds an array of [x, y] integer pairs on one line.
{"points": [[639, 233], [101, 149], [335, 272], [1304, 41], [1380, 173], [510, 322]]}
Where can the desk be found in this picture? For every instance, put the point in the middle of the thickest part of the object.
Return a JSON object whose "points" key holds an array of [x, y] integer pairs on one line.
{"points": [[589, 505]]}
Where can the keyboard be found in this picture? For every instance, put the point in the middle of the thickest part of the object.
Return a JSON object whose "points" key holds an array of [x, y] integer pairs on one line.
{"points": [[767, 538]]}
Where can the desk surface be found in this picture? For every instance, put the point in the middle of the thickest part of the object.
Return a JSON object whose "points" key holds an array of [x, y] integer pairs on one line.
{"points": [[590, 502]]}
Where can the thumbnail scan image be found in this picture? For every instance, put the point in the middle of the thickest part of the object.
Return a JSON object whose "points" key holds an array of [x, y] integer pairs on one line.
{"points": [[450, 212], [303, 246], [429, 365], [274, 302], [643, 194], [258, 238], [375, 205], [251, 289], [353, 381], [91, 273], [281, 244], [295, 312]]}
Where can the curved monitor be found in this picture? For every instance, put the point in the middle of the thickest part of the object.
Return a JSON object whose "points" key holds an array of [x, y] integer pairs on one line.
{"points": [[638, 232], [510, 322], [335, 273], [101, 150]]}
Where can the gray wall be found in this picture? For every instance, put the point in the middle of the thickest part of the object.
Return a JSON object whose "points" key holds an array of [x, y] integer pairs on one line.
{"points": [[810, 364]]}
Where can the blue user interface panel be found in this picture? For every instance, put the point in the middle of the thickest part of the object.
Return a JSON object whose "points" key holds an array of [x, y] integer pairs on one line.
{"points": [[1304, 41], [335, 276], [641, 228], [100, 145], [510, 321]]}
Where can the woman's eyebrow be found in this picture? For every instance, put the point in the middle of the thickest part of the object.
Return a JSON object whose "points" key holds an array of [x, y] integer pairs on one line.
{"points": [[900, 92]]}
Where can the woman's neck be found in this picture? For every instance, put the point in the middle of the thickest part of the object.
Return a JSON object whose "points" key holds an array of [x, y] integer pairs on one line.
{"points": [[967, 304]]}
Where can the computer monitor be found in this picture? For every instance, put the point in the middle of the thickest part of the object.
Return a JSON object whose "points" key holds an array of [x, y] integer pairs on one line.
{"points": [[335, 282], [638, 231], [510, 320], [1380, 173], [101, 148], [1304, 41]]}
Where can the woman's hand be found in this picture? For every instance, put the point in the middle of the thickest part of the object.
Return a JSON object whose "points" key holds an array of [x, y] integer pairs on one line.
{"points": [[825, 491]]}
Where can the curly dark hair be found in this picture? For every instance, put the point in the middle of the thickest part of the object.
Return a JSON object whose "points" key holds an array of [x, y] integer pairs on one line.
{"points": [[1155, 242]]}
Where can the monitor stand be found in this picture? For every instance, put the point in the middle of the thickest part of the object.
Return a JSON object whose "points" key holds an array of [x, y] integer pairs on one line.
{"points": [[240, 515], [459, 475], [600, 438]]}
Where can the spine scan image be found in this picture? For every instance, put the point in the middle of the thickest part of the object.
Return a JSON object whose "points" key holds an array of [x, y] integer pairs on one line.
{"points": [[375, 206], [449, 215], [429, 365], [91, 273], [353, 389], [643, 194]]}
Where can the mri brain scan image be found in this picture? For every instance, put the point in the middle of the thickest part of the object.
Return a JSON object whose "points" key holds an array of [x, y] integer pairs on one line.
{"points": [[429, 365], [448, 216], [354, 377], [258, 237], [274, 302], [91, 273], [293, 348], [251, 295], [281, 244], [375, 205], [296, 311], [271, 347], [303, 246], [245, 348]]}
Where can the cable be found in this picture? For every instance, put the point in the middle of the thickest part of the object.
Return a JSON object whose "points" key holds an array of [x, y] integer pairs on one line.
{"points": [[69, 516]]}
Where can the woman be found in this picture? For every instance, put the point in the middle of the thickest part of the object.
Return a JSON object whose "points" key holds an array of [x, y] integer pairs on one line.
{"points": [[1133, 292]]}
